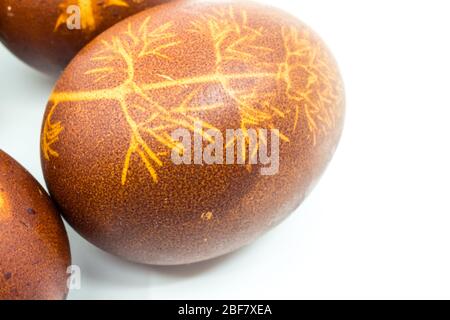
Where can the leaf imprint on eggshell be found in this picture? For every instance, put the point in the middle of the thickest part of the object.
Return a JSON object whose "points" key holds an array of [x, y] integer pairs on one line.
{"points": [[234, 39], [5, 213]]}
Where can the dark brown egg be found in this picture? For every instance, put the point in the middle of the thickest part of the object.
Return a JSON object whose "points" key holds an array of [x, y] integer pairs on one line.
{"points": [[34, 249], [238, 81], [47, 34]]}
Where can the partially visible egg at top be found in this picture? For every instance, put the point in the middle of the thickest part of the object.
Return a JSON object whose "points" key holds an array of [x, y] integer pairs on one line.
{"points": [[48, 34]]}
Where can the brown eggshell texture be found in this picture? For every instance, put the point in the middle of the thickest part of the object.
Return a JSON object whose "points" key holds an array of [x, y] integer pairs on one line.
{"points": [[106, 144], [34, 249], [42, 33]]}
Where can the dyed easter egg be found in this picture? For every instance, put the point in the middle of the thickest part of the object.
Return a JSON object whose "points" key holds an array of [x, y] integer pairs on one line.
{"points": [[34, 249], [185, 132], [47, 34]]}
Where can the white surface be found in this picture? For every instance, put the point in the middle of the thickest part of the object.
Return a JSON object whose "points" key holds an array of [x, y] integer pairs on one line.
{"points": [[377, 225]]}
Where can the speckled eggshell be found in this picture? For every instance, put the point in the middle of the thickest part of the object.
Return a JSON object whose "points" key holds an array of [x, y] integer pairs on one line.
{"points": [[41, 32], [106, 145], [34, 249]]}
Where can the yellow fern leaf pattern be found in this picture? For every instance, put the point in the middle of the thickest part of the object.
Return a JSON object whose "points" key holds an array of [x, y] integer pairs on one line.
{"points": [[234, 41]]}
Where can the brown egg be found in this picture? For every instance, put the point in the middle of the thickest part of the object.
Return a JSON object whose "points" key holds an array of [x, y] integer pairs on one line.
{"points": [[34, 249], [47, 34], [110, 150]]}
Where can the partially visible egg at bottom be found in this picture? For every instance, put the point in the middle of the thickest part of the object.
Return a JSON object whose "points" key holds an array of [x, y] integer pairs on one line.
{"points": [[111, 146], [34, 248]]}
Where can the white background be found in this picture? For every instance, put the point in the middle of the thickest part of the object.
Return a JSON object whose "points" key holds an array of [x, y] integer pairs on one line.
{"points": [[377, 225]]}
